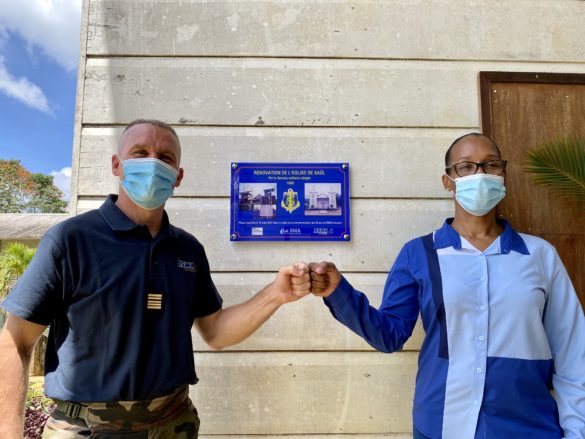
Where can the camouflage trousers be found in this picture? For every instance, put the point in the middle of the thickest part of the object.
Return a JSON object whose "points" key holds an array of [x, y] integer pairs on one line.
{"points": [[171, 416]]}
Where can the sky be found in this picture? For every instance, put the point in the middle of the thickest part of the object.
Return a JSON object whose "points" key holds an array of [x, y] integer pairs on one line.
{"points": [[39, 50]]}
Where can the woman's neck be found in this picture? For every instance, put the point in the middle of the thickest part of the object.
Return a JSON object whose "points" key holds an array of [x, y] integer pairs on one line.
{"points": [[480, 231]]}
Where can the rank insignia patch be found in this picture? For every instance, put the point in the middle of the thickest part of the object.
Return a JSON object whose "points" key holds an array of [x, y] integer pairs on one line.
{"points": [[154, 301]]}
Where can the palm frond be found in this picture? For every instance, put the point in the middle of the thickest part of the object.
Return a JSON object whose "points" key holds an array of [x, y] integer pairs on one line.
{"points": [[559, 165], [14, 258]]}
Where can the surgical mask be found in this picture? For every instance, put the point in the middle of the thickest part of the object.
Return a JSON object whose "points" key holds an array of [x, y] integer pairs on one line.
{"points": [[477, 194], [148, 182]]}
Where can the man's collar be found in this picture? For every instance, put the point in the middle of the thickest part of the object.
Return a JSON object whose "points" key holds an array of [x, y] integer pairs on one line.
{"points": [[119, 222], [510, 240]]}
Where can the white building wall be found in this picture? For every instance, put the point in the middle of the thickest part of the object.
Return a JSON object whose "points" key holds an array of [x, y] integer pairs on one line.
{"points": [[384, 85]]}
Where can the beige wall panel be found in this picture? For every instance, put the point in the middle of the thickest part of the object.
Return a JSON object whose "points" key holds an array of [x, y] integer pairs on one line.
{"points": [[295, 392], [547, 30], [379, 229], [304, 325], [291, 92], [396, 163]]}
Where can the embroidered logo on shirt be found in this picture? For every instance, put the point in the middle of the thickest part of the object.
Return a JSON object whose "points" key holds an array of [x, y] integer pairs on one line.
{"points": [[154, 301], [187, 266]]}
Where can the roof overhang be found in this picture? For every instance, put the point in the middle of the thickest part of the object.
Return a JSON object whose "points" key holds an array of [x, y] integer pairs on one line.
{"points": [[23, 226]]}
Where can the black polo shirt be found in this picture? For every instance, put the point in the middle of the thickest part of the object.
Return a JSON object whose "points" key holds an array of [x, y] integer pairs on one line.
{"points": [[120, 304]]}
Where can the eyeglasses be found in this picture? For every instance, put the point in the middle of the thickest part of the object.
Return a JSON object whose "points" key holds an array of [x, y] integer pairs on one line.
{"points": [[492, 167]]}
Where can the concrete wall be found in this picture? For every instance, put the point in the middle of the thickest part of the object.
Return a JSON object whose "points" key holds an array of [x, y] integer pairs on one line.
{"points": [[384, 85]]}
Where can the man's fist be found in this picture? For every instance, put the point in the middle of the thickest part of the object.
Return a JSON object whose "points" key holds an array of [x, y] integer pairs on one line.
{"points": [[293, 282]]}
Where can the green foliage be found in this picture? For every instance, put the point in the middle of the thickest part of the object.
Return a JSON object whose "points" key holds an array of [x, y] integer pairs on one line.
{"points": [[36, 398], [23, 192], [14, 258], [13, 186], [560, 165], [37, 410], [46, 197]]}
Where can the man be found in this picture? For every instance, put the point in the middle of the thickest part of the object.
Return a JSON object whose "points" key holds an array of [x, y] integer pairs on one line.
{"points": [[121, 289]]}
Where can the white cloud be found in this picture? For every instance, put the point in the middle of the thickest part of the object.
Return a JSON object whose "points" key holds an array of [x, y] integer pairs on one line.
{"points": [[62, 179], [51, 25], [23, 90]]}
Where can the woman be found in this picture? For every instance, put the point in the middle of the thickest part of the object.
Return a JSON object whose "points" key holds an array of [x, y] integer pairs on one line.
{"points": [[502, 321]]}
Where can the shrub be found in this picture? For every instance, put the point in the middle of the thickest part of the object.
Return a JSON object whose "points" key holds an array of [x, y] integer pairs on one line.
{"points": [[37, 410], [14, 258]]}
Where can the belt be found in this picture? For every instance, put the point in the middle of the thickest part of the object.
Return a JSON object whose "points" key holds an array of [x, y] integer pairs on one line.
{"points": [[71, 409], [132, 415]]}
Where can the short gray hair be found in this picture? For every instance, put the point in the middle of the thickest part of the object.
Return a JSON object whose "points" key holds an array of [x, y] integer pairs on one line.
{"points": [[154, 122]]}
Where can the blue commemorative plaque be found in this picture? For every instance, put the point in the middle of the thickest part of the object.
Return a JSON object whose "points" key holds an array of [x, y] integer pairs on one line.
{"points": [[290, 202]]}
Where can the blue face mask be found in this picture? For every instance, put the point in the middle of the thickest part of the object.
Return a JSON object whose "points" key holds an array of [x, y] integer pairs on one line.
{"points": [[148, 182], [479, 193]]}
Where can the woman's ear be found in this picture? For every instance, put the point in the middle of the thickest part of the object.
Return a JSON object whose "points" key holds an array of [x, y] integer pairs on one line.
{"points": [[448, 183]]}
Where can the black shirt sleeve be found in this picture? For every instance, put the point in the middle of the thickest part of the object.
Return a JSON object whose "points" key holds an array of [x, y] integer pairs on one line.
{"points": [[206, 299]]}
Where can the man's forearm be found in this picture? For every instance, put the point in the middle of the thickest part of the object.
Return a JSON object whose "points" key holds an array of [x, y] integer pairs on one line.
{"points": [[14, 367], [234, 324]]}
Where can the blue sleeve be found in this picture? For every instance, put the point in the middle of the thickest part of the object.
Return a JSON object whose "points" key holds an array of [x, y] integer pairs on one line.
{"points": [[38, 294], [387, 328], [564, 323]]}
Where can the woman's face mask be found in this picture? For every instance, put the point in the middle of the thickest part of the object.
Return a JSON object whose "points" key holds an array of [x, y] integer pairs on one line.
{"points": [[478, 194], [148, 182]]}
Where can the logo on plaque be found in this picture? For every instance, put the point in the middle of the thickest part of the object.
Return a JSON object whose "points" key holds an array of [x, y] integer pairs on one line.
{"points": [[290, 200]]}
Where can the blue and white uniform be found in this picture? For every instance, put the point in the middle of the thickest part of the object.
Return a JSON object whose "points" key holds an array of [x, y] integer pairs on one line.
{"points": [[503, 326]]}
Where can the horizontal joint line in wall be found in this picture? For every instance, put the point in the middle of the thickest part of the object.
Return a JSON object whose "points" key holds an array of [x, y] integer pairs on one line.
{"points": [[334, 58], [346, 127], [274, 272], [298, 351], [225, 197], [389, 435], [211, 197]]}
